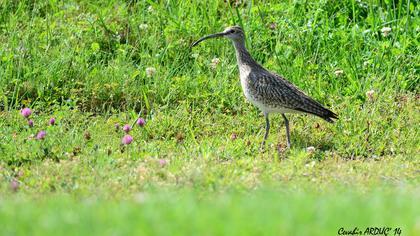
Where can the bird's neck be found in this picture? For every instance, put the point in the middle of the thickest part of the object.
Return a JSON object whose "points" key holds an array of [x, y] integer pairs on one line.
{"points": [[242, 55]]}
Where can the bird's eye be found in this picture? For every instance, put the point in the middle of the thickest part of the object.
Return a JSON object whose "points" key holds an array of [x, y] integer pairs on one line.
{"points": [[231, 31]]}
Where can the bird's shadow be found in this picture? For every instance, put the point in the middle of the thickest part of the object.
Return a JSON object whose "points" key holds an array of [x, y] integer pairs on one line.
{"points": [[304, 141], [301, 142], [304, 138]]}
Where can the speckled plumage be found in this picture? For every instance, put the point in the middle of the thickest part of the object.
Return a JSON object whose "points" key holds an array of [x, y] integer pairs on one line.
{"points": [[272, 93], [268, 91]]}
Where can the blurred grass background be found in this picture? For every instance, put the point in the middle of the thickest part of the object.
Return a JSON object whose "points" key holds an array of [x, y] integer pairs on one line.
{"points": [[93, 54], [260, 213]]}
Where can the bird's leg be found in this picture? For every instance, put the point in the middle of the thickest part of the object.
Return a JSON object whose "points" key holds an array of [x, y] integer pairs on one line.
{"points": [[267, 129], [286, 123]]}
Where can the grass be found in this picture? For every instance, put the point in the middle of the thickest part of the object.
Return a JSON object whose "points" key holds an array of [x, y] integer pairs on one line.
{"points": [[84, 63], [263, 212]]}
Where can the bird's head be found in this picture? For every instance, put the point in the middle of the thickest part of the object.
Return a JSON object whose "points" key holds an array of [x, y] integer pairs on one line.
{"points": [[234, 33]]}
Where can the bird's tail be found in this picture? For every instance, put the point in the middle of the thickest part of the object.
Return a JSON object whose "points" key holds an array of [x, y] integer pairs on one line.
{"points": [[314, 108], [329, 115]]}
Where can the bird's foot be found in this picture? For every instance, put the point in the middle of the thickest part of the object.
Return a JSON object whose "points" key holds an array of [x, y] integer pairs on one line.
{"points": [[262, 146]]}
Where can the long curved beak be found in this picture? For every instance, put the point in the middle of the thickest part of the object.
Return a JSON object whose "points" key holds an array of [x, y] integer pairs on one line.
{"points": [[221, 34]]}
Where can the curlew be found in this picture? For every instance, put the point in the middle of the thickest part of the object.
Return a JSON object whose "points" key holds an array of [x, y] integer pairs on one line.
{"points": [[268, 91]]}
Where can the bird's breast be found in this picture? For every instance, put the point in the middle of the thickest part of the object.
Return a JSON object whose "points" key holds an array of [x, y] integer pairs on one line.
{"points": [[248, 87], [244, 74]]}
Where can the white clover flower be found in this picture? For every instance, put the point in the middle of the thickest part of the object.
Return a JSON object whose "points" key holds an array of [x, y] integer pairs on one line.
{"points": [[309, 24], [370, 95], [195, 55], [338, 72], [385, 31], [143, 26], [310, 149], [150, 9], [214, 62], [366, 63], [150, 71]]}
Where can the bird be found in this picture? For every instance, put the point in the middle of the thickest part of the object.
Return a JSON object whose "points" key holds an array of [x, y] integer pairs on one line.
{"points": [[268, 91]]}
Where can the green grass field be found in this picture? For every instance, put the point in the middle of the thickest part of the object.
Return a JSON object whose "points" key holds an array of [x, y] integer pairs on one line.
{"points": [[195, 167]]}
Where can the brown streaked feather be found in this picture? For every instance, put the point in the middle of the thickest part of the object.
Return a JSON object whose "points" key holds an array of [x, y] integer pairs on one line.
{"points": [[274, 90]]}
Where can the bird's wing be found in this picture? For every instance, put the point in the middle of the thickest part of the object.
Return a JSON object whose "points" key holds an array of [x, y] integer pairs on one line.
{"points": [[284, 93]]}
